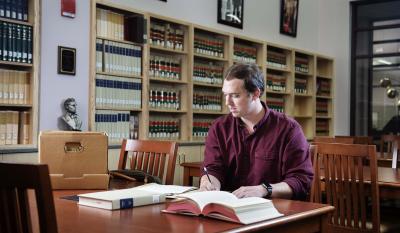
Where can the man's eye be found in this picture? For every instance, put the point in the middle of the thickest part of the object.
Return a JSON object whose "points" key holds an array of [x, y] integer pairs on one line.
{"points": [[236, 96]]}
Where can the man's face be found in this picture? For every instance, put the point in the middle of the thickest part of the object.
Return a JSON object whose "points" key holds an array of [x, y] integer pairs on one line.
{"points": [[237, 98], [71, 107]]}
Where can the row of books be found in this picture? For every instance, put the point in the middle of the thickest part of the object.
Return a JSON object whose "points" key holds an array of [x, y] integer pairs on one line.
{"points": [[209, 45], [14, 87], [201, 126], [165, 66], [276, 82], [323, 87], [118, 92], [300, 85], [206, 100], [166, 35], [210, 73], [275, 59], [321, 107], [301, 64], [164, 128], [16, 42], [322, 127], [117, 124], [120, 58], [109, 24], [14, 127], [164, 98], [14, 9], [244, 53], [276, 103]]}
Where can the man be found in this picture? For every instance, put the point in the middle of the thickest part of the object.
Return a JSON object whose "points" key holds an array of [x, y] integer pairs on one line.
{"points": [[71, 118], [255, 151]]}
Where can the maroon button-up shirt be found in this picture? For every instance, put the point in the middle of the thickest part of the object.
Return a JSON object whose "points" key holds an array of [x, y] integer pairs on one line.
{"points": [[277, 151]]}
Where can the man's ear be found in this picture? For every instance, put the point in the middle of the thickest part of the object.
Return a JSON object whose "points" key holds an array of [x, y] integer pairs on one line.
{"points": [[256, 94]]}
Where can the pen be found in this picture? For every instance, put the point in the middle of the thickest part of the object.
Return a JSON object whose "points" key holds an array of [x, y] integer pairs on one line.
{"points": [[205, 170]]}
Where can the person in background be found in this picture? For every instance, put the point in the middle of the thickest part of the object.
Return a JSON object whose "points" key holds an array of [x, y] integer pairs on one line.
{"points": [[70, 117], [255, 151]]}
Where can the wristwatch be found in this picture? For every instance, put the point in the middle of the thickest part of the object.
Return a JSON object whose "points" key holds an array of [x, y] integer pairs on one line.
{"points": [[268, 187]]}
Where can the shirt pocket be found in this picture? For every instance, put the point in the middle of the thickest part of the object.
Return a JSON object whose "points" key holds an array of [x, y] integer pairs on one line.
{"points": [[270, 155]]}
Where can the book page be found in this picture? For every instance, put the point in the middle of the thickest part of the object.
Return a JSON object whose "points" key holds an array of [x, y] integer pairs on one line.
{"points": [[117, 194], [245, 204], [165, 189], [206, 197]]}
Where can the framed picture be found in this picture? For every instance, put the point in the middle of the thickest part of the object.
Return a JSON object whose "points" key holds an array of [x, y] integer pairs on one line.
{"points": [[230, 12], [289, 17], [66, 60]]}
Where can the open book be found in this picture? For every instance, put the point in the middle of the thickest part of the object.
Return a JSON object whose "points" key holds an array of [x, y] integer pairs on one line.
{"points": [[225, 206]]}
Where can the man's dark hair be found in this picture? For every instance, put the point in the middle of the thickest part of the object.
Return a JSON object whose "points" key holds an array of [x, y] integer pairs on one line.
{"points": [[68, 101], [250, 74]]}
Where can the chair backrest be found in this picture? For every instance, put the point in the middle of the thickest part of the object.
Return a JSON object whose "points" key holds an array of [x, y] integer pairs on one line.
{"points": [[15, 213], [391, 143], [152, 157], [334, 140], [339, 174], [364, 140]]}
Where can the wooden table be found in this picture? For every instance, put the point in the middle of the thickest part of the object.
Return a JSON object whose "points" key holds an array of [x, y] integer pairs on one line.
{"points": [[73, 218], [388, 181], [190, 170]]}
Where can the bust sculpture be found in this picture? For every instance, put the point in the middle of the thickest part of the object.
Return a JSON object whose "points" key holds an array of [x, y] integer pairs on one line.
{"points": [[70, 117]]}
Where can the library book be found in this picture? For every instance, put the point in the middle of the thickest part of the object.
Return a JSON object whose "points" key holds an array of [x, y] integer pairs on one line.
{"points": [[224, 206], [146, 194], [120, 198]]}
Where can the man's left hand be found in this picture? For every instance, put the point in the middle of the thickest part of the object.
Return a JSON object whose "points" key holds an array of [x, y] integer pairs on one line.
{"points": [[250, 191]]}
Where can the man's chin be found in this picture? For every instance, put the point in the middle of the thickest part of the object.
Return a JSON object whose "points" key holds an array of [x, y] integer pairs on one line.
{"points": [[235, 114]]}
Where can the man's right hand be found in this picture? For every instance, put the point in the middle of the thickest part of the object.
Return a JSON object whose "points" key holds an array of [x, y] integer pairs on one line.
{"points": [[206, 185]]}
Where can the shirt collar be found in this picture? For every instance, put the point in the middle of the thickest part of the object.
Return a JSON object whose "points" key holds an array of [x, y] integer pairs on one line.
{"points": [[262, 121]]}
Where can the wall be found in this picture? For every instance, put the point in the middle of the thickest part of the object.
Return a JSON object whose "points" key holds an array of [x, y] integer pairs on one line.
{"points": [[323, 27]]}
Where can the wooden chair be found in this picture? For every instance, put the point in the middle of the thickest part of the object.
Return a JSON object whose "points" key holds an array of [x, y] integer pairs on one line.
{"points": [[334, 140], [364, 140], [15, 213], [151, 157], [391, 142], [339, 172]]}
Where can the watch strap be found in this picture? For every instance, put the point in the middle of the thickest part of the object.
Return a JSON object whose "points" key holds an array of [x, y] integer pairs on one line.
{"points": [[268, 187]]}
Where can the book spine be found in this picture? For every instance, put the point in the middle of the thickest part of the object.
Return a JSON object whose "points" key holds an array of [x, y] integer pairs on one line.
{"points": [[125, 203]]}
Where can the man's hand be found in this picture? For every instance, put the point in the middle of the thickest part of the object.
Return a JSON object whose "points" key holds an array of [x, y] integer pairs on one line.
{"points": [[205, 184], [250, 191]]}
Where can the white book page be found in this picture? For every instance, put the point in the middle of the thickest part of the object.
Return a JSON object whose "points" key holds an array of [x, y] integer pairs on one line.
{"points": [[245, 204], [165, 189], [206, 197], [258, 215]]}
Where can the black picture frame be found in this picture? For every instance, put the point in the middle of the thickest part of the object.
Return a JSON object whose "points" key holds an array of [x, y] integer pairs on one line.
{"points": [[230, 12], [66, 60], [289, 17]]}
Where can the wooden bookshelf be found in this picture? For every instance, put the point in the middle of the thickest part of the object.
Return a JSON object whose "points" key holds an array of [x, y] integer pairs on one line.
{"points": [[279, 76], [324, 94], [19, 76], [188, 60]]}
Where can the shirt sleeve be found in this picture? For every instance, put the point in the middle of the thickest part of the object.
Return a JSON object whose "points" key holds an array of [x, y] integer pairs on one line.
{"points": [[213, 156], [297, 167]]}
